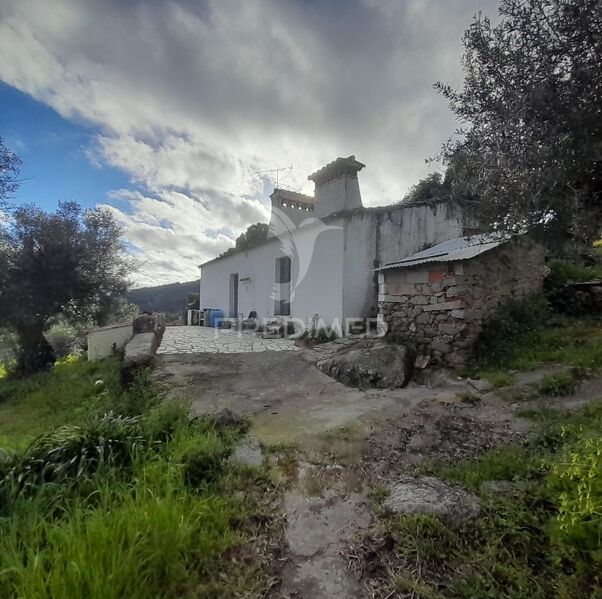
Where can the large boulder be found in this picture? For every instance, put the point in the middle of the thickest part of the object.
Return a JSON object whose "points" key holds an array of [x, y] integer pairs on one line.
{"points": [[149, 323], [426, 495], [369, 363]]}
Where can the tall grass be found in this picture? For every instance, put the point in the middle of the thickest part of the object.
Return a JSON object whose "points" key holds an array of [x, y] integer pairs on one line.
{"points": [[138, 505]]}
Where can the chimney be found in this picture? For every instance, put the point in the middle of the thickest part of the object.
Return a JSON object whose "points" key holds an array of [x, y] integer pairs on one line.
{"points": [[289, 210], [337, 187]]}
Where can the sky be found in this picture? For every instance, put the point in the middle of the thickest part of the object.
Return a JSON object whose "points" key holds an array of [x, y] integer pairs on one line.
{"points": [[166, 111]]}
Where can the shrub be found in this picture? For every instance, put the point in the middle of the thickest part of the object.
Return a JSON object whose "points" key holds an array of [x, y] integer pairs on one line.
{"points": [[570, 271], [62, 338], [578, 479], [565, 297], [514, 324], [71, 453]]}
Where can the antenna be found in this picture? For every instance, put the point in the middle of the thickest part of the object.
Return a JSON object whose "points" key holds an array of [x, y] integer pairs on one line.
{"points": [[277, 171]]}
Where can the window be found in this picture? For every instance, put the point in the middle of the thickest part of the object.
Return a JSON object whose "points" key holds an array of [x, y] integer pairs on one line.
{"points": [[282, 303]]}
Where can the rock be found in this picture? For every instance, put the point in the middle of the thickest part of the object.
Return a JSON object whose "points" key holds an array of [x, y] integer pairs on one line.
{"points": [[149, 323], [430, 496], [140, 349], [248, 452], [367, 363]]}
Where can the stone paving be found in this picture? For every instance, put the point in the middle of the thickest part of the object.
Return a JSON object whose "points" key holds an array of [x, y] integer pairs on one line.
{"points": [[194, 339]]}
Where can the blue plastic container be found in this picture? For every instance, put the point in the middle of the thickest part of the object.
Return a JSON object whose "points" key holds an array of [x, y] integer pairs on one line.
{"points": [[215, 317]]}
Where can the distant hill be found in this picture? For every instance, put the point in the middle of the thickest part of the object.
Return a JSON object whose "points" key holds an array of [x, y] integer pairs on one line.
{"points": [[163, 298]]}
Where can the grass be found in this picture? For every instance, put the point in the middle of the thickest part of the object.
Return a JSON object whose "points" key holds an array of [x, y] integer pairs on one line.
{"points": [[540, 539], [66, 395], [558, 385], [569, 341], [140, 505], [499, 378]]}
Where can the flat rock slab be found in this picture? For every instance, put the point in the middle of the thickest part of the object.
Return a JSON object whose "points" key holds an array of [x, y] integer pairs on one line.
{"points": [[432, 497], [317, 528], [140, 349]]}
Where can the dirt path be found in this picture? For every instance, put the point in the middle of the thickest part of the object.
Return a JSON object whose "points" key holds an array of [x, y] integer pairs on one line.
{"points": [[336, 445]]}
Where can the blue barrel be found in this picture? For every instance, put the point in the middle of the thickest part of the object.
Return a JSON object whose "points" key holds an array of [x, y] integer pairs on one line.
{"points": [[215, 317]]}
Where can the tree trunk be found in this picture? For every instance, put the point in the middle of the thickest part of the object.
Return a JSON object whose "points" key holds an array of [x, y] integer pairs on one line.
{"points": [[35, 354]]}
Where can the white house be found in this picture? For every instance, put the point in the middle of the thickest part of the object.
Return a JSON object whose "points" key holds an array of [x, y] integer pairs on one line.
{"points": [[321, 252]]}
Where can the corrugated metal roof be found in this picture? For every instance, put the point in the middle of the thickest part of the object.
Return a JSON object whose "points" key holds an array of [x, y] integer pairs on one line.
{"points": [[462, 248]]}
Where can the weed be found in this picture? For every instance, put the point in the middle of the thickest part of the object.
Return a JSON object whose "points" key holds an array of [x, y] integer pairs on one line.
{"points": [[468, 397], [137, 505], [543, 541], [558, 385], [569, 341], [499, 378], [515, 324], [378, 494]]}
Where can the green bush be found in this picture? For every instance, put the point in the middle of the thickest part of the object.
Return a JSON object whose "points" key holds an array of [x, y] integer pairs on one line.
{"points": [[62, 338], [569, 271], [513, 325], [564, 296]]}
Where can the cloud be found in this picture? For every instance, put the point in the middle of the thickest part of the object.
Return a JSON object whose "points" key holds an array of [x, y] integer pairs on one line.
{"points": [[192, 98]]}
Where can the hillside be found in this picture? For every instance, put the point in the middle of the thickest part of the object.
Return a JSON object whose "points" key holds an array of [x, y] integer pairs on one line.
{"points": [[163, 298]]}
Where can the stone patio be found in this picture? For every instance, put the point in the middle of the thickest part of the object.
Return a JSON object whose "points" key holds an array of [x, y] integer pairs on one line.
{"points": [[194, 339]]}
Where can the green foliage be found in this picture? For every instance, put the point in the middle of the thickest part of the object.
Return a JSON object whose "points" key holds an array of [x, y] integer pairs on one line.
{"points": [[564, 340], [558, 385], [515, 324], [540, 539], [527, 153], [70, 262], [253, 236], [171, 298], [109, 509], [499, 378], [68, 454], [565, 296], [577, 480], [66, 395], [62, 338], [205, 461], [570, 271], [431, 187]]}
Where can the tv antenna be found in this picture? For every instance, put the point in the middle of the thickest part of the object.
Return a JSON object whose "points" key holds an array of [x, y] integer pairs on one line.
{"points": [[277, 171]]}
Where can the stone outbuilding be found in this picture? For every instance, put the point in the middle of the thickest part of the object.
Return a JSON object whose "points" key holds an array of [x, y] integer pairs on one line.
{"points": [[436, 300]]}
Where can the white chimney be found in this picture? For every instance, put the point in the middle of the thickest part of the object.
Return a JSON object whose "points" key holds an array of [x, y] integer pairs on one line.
{"points": [[337, 187]]}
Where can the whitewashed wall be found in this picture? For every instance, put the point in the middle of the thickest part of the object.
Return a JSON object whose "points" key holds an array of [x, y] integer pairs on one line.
{"points": [[339, 281], [376, 236], [317, 278]]}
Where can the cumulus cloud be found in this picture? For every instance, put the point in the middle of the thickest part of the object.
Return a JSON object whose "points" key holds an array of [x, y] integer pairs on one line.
{"points": [[192, 97]]}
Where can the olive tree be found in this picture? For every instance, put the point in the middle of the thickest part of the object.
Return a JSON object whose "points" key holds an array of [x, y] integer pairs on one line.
{"points": [[529, 150], [70, 262]]}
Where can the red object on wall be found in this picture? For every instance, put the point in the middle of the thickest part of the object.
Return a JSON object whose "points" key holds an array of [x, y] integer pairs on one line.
{"points": [[436, 275]]}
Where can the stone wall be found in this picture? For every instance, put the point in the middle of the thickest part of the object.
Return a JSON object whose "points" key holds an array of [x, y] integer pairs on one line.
{"points": [[439, 308]]}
